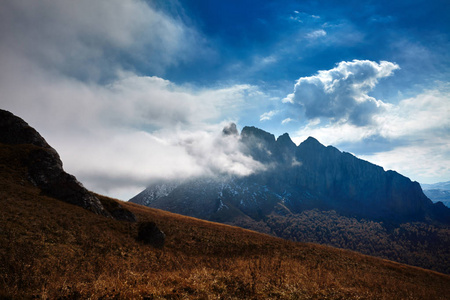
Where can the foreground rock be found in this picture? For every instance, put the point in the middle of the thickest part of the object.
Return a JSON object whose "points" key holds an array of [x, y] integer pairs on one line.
{"points": [[150, 234]]}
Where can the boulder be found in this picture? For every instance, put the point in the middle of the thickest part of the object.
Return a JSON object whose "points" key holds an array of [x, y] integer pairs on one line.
{"points": [[150, 234]]}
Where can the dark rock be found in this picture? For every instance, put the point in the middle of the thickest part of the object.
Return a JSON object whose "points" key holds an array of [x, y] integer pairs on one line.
{"points": [[252, 133], [150, 234], [230, 129], [15, 131], [46, 172]]}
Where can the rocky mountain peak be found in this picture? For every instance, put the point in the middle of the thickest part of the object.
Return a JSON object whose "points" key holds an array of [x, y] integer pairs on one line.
{"points": [[311, 142], [253, 132], [230, 129], [284, 140]]}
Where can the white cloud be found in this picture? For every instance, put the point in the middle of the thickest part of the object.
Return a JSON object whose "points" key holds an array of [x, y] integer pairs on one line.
{"points": [[316, 34], [428, 163], [341, 94], [267, 115], [287, 120]]}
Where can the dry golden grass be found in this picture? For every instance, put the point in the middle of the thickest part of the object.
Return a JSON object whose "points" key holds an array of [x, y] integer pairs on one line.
{"points": [[50, 249]]}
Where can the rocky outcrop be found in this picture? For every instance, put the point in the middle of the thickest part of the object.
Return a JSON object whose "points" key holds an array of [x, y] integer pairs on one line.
{"points": [[15, 131], [45, 168], [46, 172]]}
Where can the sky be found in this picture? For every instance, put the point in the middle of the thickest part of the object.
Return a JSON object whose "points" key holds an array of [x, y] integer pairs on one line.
{"points": [[130, 92]]}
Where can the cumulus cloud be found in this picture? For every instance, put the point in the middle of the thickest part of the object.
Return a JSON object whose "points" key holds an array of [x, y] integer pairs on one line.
{"points": [[341, 94], [65, 70]]}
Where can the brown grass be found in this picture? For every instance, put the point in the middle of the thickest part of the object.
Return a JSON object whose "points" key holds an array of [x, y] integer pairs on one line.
{"points": [[50, 249]]}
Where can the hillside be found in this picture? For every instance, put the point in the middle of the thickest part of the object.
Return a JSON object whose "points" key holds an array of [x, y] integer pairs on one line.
{"points": [[52, 249]]}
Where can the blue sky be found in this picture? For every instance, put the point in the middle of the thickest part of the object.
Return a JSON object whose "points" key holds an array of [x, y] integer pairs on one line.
{"points": [[133, 91]]}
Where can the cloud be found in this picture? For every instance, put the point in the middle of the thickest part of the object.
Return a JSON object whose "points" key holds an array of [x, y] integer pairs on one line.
{"points": [[316, 34], [267, 115], [341, 94], [287, 120], [136, 129], [89, 40]]}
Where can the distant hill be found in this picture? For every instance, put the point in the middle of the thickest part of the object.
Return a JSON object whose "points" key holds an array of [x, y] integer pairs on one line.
{"points": [[436, 186], [438, 192], [384, 208], [53, 249]]}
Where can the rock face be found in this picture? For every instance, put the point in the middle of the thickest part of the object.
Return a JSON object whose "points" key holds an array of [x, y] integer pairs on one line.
{"points": [[297, 178], [45, 169]]}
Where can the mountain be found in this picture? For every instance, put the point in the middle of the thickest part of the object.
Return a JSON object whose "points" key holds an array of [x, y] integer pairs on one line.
{"points": [[55, 249], [438, 192], [299, 177], [437, 186], [312, 179]]}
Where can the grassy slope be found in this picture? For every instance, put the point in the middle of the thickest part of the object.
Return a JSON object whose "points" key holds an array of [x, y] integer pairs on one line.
{"points": [[52, 249]]}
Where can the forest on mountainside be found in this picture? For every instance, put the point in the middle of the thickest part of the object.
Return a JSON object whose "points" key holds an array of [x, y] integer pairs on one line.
{"points": [[414, 243]]}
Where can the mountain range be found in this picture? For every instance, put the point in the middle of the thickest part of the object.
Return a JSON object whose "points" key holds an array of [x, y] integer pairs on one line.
{"points": [[59, 240], [297, 178], [438, 192], [316, 181]]}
